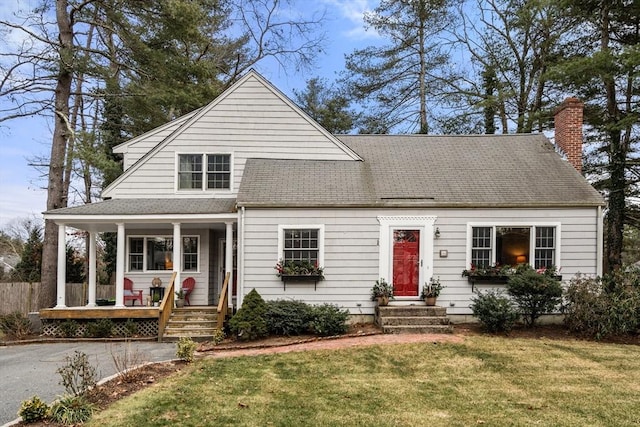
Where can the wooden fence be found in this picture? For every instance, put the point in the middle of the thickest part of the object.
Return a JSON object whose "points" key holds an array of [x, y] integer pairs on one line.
{"points": [[23, 297]]}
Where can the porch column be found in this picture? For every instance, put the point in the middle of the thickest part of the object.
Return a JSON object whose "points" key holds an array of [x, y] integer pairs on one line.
{"points": [[62, 267], [120, 263], [92, 269], [228, 260], [177, 254]]}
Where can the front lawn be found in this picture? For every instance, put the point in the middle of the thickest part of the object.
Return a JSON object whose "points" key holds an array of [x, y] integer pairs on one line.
{"points": [[486, 380]]}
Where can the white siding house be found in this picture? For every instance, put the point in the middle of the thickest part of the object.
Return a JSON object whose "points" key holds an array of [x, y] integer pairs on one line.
{"points": [[250, 180]]}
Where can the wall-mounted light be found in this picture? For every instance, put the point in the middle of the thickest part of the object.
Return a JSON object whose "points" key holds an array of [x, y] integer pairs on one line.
{"points": [[437, 233]]}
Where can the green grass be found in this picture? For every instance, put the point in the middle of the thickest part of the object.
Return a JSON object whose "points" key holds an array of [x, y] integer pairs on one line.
{"points": [[484, 381]]}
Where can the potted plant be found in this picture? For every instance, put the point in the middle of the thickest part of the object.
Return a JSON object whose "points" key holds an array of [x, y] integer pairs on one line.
{"points": [[156, 299], [382, 292], [431, 291], [180, 298]]}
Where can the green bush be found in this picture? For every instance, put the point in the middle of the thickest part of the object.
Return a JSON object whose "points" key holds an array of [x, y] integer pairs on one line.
{"points": [[329, 319], [249, 322], [102, 328], [68, 328], [186, 348], [78, 375], [495, 311], [71, 410], [288, 317], [130, 328], [33, 410], [534, 294], [603, 307], [16, 325]]}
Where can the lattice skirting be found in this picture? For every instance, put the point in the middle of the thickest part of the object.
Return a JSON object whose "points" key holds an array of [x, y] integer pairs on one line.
{"points": [[121, 327]]}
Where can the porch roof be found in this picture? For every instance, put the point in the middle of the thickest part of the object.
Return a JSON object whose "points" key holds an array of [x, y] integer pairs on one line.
{"points": [[423, 171], [181, 206]]}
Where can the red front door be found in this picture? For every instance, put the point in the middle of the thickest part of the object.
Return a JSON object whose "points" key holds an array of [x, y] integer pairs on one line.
{"points": [[406, 262]]}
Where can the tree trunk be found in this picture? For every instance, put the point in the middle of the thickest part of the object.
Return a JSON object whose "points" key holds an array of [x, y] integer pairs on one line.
{"points": [[61, 132]]}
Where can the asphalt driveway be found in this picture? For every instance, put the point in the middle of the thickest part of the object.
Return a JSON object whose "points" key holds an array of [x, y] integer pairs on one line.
{"points": [[28, 370]]}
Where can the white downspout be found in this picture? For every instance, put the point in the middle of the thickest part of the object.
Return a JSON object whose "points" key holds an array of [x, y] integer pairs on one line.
{"points": [[600, 241], [240, 256]]}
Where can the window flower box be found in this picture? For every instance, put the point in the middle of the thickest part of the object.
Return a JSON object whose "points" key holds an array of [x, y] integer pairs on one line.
{"points": [[299, 271], [500, 274]]}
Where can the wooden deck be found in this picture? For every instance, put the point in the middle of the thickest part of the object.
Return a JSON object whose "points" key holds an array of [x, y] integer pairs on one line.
{"points": [[100, 313]]}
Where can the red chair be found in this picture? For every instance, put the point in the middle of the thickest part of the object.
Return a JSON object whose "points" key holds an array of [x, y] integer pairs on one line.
{"points": [[130, 294], [187, 286]]}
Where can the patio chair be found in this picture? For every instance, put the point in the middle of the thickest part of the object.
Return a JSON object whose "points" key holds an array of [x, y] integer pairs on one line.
{"points": [[187, 286], [130, 294]]}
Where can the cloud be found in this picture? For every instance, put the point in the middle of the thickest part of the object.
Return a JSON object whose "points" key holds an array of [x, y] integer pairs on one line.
{"points": [[17, 202], [353, 11]]}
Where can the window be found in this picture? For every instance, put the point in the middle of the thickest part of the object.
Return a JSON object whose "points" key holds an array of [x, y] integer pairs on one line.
{"points": [[192, 175], [301, 243], [156, 253], [512, 245]]}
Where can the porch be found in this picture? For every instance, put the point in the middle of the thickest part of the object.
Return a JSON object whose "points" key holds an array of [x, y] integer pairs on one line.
{"points": [[149, 321]]}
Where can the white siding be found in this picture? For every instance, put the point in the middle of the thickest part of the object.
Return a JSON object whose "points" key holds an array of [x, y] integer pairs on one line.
{"points": [[351, 250], [252, 121], [142, 280]]}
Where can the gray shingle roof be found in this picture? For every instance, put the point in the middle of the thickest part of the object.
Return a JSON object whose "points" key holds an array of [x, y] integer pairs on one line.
{"points": [[420, 170], [151, 207]]}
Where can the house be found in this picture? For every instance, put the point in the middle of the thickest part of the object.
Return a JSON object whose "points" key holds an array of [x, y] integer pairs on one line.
{"points": [[249, 180]]}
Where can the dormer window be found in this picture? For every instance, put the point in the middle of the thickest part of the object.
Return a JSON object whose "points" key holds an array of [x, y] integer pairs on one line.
{"points": [[198, 170]]}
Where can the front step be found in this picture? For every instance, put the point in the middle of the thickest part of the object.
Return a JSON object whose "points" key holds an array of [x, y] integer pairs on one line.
{"points": [[413, 319], [197, 323]]}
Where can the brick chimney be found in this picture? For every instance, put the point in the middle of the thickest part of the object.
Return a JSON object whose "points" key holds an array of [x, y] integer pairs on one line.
{"points": [[568, 124]]}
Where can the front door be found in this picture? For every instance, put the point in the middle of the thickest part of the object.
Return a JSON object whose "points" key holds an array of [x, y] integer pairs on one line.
{"points": [[406, 262]]}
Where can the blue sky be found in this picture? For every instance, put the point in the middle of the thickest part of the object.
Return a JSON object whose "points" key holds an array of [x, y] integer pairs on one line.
{"points": [[21, 192]]}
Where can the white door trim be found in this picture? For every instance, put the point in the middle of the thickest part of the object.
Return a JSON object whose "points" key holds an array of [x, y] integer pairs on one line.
{"points": [[385, 245]]}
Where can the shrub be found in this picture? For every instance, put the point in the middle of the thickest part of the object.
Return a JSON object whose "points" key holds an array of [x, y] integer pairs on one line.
{"points": [[603, 307], [534, 294], [495, 311], [329, 319], [288, 317], [78, 375], [249, 322], [218, 336], [68, 328], [102, 328], [186, 348], [16, 325], [130, 328], [71, 410], [33, 410]]}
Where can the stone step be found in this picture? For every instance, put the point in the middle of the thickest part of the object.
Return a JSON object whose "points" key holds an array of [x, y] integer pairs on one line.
{"points": [[413, 320], [411, 310], [418, 329]]}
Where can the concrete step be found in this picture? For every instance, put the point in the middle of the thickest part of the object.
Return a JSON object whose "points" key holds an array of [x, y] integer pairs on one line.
{"points": [[411, 310], [418, 329], [413, 320]]}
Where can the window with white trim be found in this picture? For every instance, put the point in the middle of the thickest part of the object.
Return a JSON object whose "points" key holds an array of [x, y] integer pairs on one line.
{"points": [[204, 171], [155, 253], [301, 245], [512, 245]]}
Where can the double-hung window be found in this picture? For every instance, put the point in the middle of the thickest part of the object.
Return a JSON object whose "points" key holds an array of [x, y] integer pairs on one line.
{"points": [[156, 253], [301, 243], [204, 171], [511, 245]]}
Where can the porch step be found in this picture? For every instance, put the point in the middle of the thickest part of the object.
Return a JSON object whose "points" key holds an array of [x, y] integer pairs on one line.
{"points": [[197, 323], [413, 319]]}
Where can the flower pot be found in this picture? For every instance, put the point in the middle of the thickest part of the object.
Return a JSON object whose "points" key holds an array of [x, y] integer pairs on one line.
{"points": [[430, 301], [179, 303], [383, 301]]}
